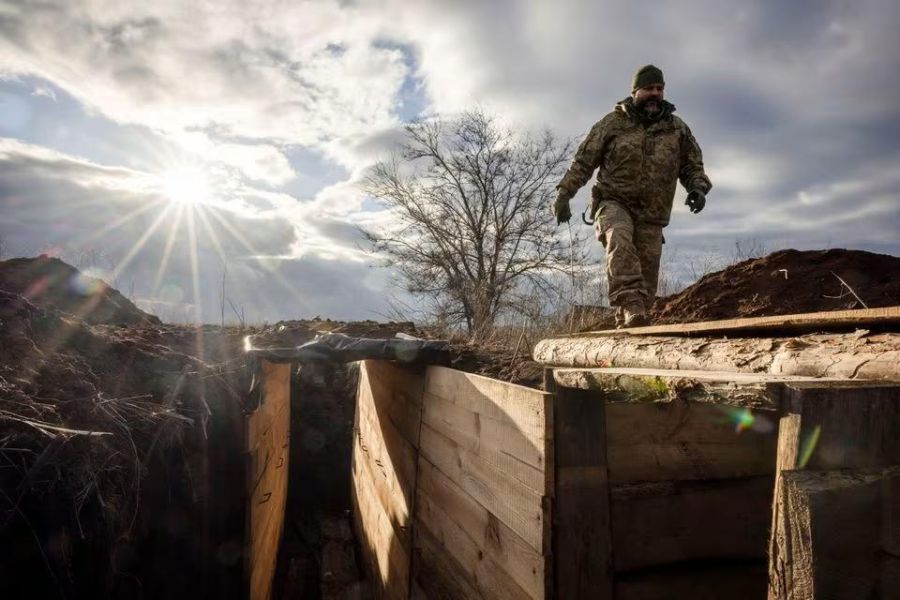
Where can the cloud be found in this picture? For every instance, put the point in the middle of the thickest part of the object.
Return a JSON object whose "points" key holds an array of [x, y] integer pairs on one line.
{"points": [[793, 105], [114, 222]]}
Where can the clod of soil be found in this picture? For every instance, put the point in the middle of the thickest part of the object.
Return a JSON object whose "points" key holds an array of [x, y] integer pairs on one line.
{"points": [[787, 282]]}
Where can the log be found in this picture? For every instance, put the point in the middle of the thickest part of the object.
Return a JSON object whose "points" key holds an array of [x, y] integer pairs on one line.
{"points": [[857, 355]]}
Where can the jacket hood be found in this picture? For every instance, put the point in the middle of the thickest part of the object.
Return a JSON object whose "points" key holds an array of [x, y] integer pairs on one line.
{"points": [[627, 106]]}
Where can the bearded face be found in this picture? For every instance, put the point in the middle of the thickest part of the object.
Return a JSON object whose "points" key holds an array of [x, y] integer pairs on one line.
{"points": [[649, 99]]}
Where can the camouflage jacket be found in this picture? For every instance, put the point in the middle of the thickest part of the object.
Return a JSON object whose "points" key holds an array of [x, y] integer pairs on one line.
{"points": [[639, 162]]}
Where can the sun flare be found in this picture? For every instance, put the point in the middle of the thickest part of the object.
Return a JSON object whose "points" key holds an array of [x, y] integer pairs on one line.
{"points": [[186, 186]]}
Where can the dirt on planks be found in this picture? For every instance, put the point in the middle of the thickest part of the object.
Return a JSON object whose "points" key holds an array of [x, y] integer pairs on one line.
{"points": [[787, 282]]}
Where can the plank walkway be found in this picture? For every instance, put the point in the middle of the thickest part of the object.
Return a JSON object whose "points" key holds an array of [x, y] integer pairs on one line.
{"points": [[803, 322]]}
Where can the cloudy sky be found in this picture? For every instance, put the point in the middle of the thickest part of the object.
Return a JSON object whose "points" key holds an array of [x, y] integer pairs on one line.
{"points": [[112, 112]]}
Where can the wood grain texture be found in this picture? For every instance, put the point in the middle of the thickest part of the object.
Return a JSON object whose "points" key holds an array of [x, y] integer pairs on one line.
{"points": [[267, 443], [829, 546], [482, 506], [849, 426], [681, 440], [817, 321], [860, 355], [659, 523], [512, 502], [582, 566], [384, 463], [492, 557]]}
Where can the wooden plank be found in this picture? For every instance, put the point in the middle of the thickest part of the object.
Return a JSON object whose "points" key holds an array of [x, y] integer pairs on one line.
{"points": [[520, 407], [681, 440], [398, 389], [624, 384], [514, 504], [817, 321], [267, 432], [384, 459], [850, 425], [496, 442], [387, 561], [391, 460], [582, 565], [660, 523], [437, 573], [830, 546], [475, 537]]}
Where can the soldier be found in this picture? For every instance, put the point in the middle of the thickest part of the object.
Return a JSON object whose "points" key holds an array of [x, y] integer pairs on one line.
{"points": [[641, 150]]}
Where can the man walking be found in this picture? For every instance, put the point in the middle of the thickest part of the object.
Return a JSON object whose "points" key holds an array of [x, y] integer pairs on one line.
{"points": [[641, 150]]}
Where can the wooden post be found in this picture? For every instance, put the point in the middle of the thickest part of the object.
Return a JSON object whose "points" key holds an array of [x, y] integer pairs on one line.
{"points": [[829, 427], [582, 555]]}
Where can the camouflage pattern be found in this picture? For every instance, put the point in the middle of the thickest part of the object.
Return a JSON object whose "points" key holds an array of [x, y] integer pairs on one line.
{"points": [[633, 251], [640, 161]]}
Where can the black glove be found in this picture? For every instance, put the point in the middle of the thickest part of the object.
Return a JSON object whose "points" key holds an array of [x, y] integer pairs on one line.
{"points": [[561, 210], [696, 200]]}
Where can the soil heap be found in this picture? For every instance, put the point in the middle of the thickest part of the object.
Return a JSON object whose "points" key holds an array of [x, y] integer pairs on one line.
{"points": [[787, 282], [50, 283], [104, 435]]}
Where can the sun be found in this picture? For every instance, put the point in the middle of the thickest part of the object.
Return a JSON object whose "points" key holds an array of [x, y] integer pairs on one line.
{"points": [[186, 186]]}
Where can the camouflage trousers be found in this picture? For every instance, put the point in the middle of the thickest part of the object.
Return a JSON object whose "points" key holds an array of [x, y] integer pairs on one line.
{"points": [[633, 250]]}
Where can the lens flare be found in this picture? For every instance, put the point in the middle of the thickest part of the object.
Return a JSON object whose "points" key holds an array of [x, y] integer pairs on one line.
{"points": [[808, 445]]}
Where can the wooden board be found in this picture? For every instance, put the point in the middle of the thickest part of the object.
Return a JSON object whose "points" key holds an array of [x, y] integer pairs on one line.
{"points": [[482, 506], [854, 425], [513, 503], [386, 430], [830, 540], [267, 439], [679, 440], [818, 321], [655, 524], [519, 407], [498, 443], [582, 566], [492, 557], [848, 426]]}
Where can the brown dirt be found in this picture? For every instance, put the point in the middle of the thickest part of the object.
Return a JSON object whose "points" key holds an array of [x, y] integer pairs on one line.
{"points": [[51, 283], [103, 442], [787, 282]]}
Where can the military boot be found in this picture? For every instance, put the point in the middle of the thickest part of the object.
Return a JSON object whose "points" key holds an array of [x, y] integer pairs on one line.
{"points": [[633, 314]]}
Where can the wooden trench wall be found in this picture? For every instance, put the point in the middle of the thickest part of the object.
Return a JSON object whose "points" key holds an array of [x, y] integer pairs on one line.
{"points": [[457, 479], [450, 483], [266, 445]]}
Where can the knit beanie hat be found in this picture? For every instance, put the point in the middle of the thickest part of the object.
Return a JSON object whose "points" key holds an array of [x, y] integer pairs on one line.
{"points": [[646, 75]]}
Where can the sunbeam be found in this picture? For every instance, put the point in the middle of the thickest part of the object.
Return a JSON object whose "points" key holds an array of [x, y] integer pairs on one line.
{"points": [[167, 250]]}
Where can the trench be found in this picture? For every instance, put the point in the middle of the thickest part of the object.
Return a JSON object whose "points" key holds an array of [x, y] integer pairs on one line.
{"points": [[319, 555]]}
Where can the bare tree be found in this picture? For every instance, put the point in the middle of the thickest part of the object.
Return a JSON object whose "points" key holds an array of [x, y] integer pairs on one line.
{"points": [[473, 230]]}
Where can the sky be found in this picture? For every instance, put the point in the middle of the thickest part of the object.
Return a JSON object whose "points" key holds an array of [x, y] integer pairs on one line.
{"points": [[112, 113]]}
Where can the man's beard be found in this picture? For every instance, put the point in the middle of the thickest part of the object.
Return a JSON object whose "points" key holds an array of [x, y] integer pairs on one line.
{"points": [[649, 107]]}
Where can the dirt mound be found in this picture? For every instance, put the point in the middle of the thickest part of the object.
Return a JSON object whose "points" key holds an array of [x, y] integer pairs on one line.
{"points": [[50, 283], [787, 282], [103, 438]]}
